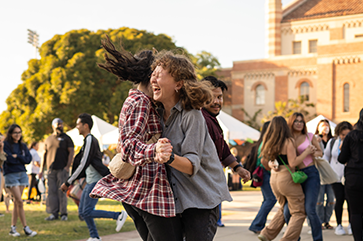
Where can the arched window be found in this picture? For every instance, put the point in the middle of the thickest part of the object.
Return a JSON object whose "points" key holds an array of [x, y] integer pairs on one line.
{"points": [[304, 90], [346, 97], [260, 95]]}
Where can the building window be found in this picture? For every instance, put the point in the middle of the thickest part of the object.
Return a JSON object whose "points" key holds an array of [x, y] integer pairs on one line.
{"points": [[260, 95], [346, 97], [358, 36], [304, 91], [296, 47], [313, 46]]}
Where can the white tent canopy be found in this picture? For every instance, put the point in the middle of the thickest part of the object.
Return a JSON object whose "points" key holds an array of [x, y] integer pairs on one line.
{"points": [[99, 129], [110, 137], [235, 129], [311, 125]]}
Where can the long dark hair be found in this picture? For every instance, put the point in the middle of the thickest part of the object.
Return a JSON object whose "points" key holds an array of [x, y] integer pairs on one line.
{"points": [[10, 139], [317, 128], [277, 133], [251, 159], [357, 133], [359, 125], [134, 68]]}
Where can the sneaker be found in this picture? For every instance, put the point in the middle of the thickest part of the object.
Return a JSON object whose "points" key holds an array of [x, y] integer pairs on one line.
{"points": [[13, 232], [1, 215], [121, 220], [262, 238], [309, 231], [349, 230], [51, 218], [94, 239], [220, 224], [29, 232], [64, 218], [339, 230]]}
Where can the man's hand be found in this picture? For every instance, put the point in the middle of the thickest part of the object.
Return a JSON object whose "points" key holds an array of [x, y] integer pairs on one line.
{"points": [[244, 174], [163, 150], [64, 187], [67, 168]]}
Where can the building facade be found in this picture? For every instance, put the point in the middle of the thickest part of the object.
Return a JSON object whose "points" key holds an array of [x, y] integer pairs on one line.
{"points": [[315, 50]]}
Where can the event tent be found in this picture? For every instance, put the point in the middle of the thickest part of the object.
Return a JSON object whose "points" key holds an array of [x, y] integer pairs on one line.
{"points": [[99, 129], [234, 129], [311, 125]]}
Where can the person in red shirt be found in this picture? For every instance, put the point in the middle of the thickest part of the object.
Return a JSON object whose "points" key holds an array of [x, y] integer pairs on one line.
{"points": [[210, 112]]}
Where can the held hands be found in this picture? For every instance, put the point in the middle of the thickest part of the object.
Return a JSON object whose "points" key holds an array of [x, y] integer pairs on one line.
{"points": [[310, 150], [244, 174], [163, 150], [274, 165]]}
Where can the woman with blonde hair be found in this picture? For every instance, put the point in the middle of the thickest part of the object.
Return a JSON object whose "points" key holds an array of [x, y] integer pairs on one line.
{"points": [[194, 169], [279, 154]]}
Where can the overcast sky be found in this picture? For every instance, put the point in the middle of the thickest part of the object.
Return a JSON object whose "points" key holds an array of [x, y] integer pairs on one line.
{"points": [[231, 30]]}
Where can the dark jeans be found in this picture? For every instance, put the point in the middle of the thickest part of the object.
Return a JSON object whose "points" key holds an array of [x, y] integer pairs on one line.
{"points": [[268, 203], [340, 197], [311, 188], [154, 228], [354, 192]]}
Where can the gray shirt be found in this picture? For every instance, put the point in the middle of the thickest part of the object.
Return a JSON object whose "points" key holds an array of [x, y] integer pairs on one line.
{"points": [[206, 188]]}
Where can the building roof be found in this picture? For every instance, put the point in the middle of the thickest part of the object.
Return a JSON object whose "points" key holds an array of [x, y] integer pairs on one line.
{"points": [[313, 9]]}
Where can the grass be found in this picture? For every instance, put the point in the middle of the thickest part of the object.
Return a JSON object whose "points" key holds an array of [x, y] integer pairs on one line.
{"points": [[73, 229]]}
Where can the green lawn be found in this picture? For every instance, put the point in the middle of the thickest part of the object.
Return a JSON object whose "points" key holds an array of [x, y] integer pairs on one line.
{"points": [[73, 229]]}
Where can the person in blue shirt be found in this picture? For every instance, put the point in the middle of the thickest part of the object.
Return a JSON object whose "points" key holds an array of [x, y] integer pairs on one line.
{"points": [[15, 175]]}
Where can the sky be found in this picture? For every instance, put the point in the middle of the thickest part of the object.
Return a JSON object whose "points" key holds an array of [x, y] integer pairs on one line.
{"points": [[230, 30]]}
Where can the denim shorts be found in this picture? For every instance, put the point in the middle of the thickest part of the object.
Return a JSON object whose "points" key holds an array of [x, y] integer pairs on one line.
{"points": [[16, 179]]}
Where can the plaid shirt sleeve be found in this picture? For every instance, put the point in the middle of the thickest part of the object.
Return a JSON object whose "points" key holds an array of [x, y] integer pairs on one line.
{"points": [[133, 127]]}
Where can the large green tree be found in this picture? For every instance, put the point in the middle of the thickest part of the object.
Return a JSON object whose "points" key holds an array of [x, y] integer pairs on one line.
{"points": [[66, 81]]}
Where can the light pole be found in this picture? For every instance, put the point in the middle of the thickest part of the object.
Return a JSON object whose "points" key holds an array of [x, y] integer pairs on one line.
{"points": [[33, 39]]}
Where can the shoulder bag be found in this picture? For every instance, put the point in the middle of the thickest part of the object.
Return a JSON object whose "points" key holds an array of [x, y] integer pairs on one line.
{"points": [[327, 174], [298, 176], [124, 170]]}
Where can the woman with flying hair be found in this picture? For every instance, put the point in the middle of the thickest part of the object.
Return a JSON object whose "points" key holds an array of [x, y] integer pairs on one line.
{"points": [[146, 196], [194, 169], [311, 186], [279, 148]]}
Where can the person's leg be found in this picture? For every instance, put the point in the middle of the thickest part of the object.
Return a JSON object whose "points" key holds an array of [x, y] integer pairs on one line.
{"points": [[320, 207], [32, 181], [200, 224], [339, 197], [18, 210], [62, 177], [355, 198], [219, 221], [330, 203], [52, 202], [86, 205], [160, 228], [311, 189], [139, 222], [268, 203], [274, 227]]}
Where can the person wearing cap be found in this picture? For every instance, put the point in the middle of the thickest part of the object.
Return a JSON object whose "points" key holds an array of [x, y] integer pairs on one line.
{"points": [[58, 156]]}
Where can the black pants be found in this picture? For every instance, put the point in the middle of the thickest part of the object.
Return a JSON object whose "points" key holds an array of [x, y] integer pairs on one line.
{"points": [[354, 192], [32, 183], [340, 197], [154, 228], [199, 224]]}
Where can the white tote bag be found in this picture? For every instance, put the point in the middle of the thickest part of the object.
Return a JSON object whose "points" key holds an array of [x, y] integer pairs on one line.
{"points": [[327, 174]]}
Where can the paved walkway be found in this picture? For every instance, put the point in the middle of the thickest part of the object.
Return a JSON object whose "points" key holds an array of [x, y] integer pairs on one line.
{"points": [[237, 216]]}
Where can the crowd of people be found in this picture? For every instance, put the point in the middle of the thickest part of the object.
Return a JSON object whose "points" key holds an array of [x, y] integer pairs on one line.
{"points": [[169, 133]]}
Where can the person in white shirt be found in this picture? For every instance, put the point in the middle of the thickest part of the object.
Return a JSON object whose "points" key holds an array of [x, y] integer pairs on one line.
{"points": [[32, 169], [331, 154]]}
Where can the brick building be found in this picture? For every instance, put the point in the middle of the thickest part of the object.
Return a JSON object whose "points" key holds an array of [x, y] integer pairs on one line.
{"points": [[315, 49]]}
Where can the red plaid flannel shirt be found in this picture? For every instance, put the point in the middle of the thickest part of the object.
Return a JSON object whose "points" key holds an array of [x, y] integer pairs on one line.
{"points": [[148, 189]]}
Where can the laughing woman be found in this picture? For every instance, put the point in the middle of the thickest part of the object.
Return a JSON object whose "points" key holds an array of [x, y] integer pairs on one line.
{"points": [[15, 176], [194, 169]]}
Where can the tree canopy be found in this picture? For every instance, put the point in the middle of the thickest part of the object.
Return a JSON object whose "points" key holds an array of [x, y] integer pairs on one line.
{"points": [[66, 81]]}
